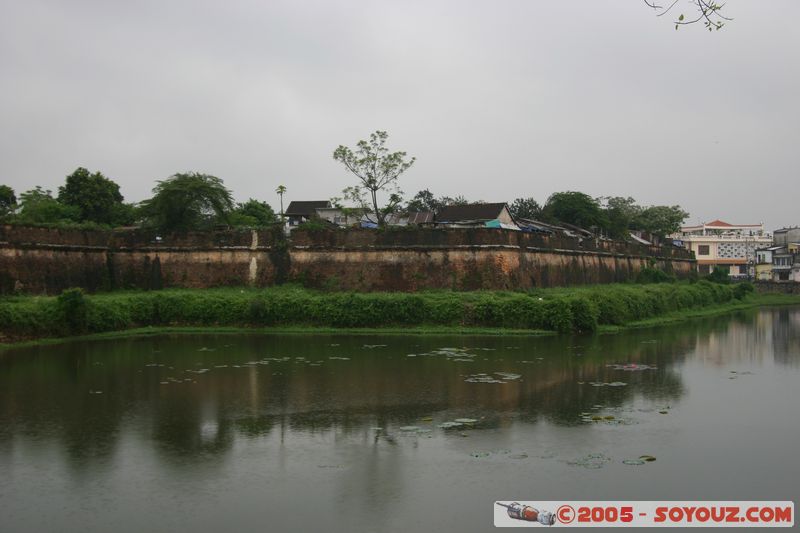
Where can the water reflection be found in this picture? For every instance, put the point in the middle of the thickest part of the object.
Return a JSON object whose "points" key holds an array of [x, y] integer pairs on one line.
{"points": [[198, 405], [195, 395]]}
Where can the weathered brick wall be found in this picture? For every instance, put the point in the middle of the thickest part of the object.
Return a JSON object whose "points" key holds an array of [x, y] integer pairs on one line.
{"points": [[780, 287], [39, 260]]}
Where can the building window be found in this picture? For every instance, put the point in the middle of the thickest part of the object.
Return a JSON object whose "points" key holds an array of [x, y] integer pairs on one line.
{"points": [[702, 249], [742, 269], [704, 269]]}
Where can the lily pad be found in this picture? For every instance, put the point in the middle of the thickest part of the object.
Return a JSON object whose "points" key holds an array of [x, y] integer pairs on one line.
{"points": [[648, 458], [633, 462], [466, 420]]}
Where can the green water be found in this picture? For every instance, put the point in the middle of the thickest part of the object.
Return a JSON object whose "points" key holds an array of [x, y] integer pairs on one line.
{"points": [[303, 432]]}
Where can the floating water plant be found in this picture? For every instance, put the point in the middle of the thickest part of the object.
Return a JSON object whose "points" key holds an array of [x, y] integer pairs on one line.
{"points": [[631, 367], [633, 462], [591, 461]]}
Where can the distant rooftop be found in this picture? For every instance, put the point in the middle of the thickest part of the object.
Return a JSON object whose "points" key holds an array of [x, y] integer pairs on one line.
{"points": [[718, 226], [420, 217], [721, 224], [458, 213], [306, 208]]}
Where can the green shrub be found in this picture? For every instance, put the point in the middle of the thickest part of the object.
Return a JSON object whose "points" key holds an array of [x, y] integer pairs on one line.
{"points": [[654, 275], [612, 308], [742, 289], [585, 314], [719, 275], [562, 310], [558, 316], [73, 311]]}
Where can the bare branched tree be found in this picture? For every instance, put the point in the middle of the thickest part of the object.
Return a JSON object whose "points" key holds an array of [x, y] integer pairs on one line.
{"points": [[708, 12]]}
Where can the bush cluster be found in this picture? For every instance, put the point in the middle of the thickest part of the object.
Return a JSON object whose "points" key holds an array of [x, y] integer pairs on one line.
{"points": [[562, 310]]}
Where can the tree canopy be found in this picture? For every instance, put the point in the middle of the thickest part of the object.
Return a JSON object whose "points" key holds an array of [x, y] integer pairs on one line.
{"points": [[377, 169], [188, 201], [8, 200], [96, 197], [253, 213], [37, 206], [575, 208], [424, 200], [660, 220], [525, 208]]}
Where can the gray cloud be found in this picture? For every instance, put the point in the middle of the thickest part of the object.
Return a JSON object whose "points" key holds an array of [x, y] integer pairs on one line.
{"points": [[496, 99]]}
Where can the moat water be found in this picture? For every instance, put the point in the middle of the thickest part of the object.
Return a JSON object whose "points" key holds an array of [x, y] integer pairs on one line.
{"points": [[255, 432]]}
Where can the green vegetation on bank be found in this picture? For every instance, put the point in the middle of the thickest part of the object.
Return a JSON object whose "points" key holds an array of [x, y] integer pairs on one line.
{"points": [[563, 310]]}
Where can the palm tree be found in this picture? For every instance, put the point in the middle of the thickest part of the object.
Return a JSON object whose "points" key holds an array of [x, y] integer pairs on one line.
{"points": [[280, 190]]}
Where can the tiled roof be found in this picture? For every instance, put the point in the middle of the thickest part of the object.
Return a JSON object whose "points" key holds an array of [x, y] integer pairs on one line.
{"points": [[305, 208], [719, 223], [456, 213]]}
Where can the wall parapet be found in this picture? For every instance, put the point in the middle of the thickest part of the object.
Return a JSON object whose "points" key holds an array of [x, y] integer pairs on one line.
{"points": [[46, 260]]}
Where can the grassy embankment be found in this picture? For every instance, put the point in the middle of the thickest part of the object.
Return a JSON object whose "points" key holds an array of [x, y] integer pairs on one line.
{"points": [[290, 308]]}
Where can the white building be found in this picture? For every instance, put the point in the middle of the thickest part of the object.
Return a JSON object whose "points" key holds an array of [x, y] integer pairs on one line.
{"points": [[730, 246]]}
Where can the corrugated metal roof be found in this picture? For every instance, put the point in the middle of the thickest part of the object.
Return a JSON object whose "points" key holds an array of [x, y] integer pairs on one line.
{"points": [[420, 217]]}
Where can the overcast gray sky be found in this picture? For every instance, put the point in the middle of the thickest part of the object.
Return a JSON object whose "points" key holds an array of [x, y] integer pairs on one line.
{"points": [[496, 100]]}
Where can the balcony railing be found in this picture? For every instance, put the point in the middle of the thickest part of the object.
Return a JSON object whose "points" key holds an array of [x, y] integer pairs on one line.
{"points": [[744, 238]]}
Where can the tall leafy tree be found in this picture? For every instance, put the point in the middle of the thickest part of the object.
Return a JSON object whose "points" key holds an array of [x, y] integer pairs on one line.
{"points": [[620, 215], [37, 206], [661, 220], [188, 201], [253, 213], [424, 200], [96, 197], [575, 208], [456, 200], [525, 208], [377, 170], [8, 200]]}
